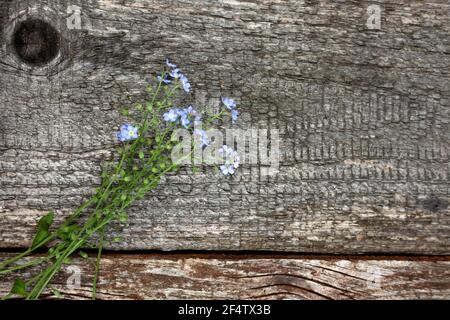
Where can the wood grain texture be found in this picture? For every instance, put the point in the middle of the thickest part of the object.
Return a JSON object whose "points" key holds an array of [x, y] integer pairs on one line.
{"points": [[233, 277], [363, 117]]}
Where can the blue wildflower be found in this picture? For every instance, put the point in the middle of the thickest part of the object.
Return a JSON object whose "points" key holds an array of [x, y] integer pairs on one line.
{"points": [[232, 160], [229, 103], [227, 169], [234, 115], [204, 140], [175, 73], [185, 83], [190, 110], [225, 150], [166, 79], [181, 112], [185, 121], [172, 115], [184, 115], [127, 133], [170, 65]]}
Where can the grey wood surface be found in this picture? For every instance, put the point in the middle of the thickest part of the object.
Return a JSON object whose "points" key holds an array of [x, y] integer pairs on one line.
{"points": [[363, 117], [245, 277]]}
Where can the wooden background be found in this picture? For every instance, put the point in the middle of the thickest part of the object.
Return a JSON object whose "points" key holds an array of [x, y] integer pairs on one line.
{"points": [[360, 207]]}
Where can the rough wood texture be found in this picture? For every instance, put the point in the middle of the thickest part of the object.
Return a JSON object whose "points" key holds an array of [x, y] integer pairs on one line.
{"points": [[363, 115], [228, 277]]}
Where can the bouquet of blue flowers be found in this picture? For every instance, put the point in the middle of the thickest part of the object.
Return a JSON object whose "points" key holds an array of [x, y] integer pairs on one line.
{"points": [[144, 157]]}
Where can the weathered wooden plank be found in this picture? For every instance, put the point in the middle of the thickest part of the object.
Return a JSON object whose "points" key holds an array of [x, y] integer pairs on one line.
{"points": [[363, 117], [250, 277]]}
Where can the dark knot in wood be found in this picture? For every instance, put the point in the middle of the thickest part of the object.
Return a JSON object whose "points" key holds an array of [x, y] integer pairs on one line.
{"points": [[36, 42], [435, 204]]}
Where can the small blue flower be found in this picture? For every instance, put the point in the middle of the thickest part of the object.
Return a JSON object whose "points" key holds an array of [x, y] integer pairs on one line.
{"points": [[185, 83], [175, 73], [190, 110], [181, 112], [184, 115], [204, 140], [166, 79], [185, 122], [232, 160], [229, 103], [225, 150], [127, 133], [170, 65], [172, 115], [234, 115], [227, 169]]}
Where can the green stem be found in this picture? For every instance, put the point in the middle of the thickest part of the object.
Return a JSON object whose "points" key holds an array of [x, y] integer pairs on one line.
{"points": [[75, 245], [25, 265], [50, 272]]}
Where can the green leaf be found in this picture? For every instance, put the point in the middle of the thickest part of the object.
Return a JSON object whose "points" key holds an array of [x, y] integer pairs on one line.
{"points": [[141, 155], [64, 233], [125, 112], [68, 232], [149, 107], [42, 230], [123, 197], [117, 239], [46, 220], [19, 288], [123, 218], [127, 179], [155, 170], [83, 254]]}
